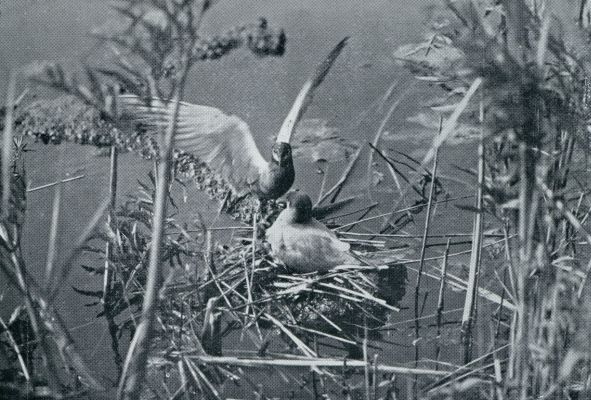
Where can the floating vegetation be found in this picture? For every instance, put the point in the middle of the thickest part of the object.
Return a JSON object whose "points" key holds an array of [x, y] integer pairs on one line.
{"points": [[261, 39], [316, 141], [66, 118]]}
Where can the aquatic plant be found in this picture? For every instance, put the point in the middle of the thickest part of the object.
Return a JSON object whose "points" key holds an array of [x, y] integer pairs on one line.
{"points": [[521, 81]]}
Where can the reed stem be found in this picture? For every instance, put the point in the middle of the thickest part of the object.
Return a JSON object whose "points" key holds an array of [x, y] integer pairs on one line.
{"points": [[475, 255], [134, 370], [440, 303], [422, 261], [108, 274]]}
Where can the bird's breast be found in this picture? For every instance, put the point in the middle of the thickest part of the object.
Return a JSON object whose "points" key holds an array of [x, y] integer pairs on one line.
{"points": [[275, 181]]}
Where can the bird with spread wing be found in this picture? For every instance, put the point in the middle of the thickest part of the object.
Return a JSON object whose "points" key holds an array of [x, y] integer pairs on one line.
{"points": [[224, 142]]}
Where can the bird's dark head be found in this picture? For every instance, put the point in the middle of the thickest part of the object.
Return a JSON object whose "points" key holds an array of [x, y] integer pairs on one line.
{"points": [[282, 153], [300, 204]]}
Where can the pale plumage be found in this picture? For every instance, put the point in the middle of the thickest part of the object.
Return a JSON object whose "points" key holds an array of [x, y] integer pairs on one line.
{"points": [[224, 142], [304, 244]]}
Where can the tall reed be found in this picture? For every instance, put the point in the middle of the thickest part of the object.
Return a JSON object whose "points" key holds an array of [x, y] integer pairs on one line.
{"points": [[533, 116]]}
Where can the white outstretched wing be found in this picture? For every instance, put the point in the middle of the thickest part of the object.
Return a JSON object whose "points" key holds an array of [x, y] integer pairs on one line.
{"points": [[306, 94], [222, 141]]}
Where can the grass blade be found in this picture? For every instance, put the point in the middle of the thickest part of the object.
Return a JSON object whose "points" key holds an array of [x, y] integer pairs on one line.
{"points": [[313, 362], [475, 255], [7, 144]]}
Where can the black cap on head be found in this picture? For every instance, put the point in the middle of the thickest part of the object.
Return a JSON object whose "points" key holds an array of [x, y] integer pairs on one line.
{"points": [[281, 152], [302, 204]]}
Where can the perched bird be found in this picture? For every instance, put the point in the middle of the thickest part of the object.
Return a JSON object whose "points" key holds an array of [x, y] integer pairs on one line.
{"points": [[225, 143], [303, 243]]}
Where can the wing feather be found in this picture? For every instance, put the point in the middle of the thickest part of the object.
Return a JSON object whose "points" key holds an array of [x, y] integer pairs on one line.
{"points": [[224, 142], [306, 94]]}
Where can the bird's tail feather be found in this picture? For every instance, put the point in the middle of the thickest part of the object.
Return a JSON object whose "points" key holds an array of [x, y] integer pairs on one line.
{"points": [[320, 212]]}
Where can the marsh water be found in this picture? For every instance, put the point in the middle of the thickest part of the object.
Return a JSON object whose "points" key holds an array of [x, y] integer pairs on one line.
{"points": [[258, 90]]}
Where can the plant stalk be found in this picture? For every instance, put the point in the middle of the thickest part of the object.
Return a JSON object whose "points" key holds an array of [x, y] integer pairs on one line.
{"points": [[134, 370]]}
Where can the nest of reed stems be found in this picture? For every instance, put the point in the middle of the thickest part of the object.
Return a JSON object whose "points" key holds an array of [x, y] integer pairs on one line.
{"points": [[215, 293]]}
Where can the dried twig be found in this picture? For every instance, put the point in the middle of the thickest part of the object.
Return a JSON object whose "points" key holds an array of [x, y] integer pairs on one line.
{"points": [[470, 300], [440, 303], [312, 362], [422, 257]]}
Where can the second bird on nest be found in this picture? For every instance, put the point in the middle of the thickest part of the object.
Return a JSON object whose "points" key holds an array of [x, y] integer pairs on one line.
{"points": [[303, 243]]}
